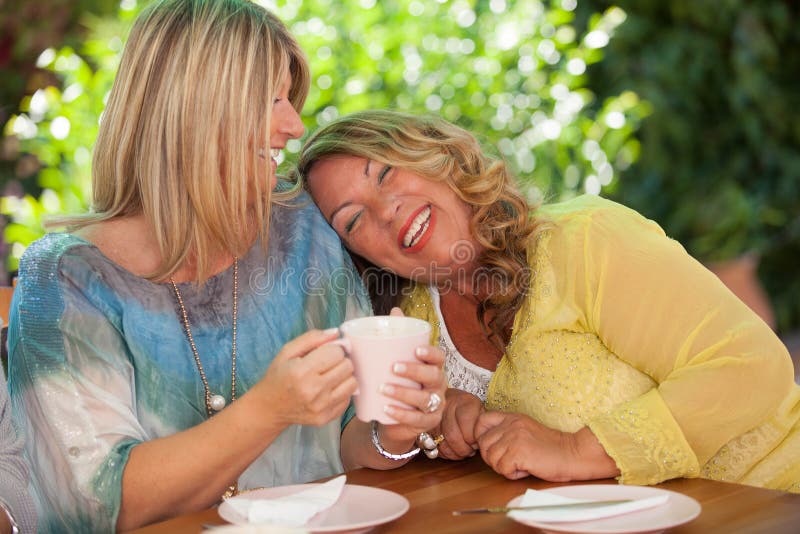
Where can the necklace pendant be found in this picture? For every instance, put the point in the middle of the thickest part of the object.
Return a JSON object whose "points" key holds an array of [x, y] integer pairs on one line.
{"points": [[217, 402]]}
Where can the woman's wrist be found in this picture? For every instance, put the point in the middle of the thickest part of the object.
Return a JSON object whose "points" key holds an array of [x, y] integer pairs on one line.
{"points": [[388, 450], [249, 411], [393, 443], [590, 460]]}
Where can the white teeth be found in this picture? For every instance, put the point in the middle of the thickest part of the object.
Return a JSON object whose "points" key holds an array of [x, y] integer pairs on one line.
{"points": [[275, 152], [421, 221]]}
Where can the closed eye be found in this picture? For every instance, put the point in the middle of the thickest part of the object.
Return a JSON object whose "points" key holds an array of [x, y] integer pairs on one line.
{"points": [[383, 173], [352, 222]]}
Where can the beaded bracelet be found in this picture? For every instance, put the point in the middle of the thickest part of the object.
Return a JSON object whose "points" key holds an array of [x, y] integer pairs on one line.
{"points": [[386, 454]]}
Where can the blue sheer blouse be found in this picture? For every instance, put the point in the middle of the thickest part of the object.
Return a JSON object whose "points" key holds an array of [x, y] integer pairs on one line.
{"points": [[99, 360]]}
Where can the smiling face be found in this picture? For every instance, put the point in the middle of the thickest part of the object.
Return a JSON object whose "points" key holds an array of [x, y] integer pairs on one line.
{"points": [[396, 219], [285, 124]]}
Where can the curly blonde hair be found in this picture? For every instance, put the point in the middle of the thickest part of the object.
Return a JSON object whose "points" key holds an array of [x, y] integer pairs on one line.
{"points": [[439, 151]]}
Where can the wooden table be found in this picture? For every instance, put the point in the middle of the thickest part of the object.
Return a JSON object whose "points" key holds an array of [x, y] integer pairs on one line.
{"points": [[435, 488]]}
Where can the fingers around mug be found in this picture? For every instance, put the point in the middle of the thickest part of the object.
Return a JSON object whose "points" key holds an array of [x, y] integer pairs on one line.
{"points": [[345, 389], [430, 355], [413, 418], [423, 400], [337, 374], [305, 343], [428, 375], [324, 358], [344, 343], [396, 312]]}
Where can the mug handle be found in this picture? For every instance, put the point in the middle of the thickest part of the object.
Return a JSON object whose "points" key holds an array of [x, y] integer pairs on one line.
{"points": [[344, 343], [348, 348]]}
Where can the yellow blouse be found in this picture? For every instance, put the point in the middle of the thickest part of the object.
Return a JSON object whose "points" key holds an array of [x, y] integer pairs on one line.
{"points": [[624, 332]]}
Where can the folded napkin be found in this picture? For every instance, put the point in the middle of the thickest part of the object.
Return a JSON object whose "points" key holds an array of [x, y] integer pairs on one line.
{"points": [[543, 498], [292, 510], [252, 529]]}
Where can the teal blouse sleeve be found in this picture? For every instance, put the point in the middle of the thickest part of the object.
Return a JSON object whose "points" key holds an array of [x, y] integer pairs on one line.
{"points": [[75, 390]]}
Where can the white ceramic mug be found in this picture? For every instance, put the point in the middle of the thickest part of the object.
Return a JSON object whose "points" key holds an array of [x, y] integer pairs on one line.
{"points": [[375, 344]]}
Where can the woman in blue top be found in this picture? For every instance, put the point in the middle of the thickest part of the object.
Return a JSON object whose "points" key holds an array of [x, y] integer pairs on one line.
{"points": [[187, 288]]}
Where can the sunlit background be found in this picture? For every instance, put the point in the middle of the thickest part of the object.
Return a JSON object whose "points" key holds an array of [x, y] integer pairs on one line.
{"points": [[688, 111]]}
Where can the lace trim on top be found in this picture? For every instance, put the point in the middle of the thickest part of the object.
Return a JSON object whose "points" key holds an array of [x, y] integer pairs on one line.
{"points": [[461, 373]]}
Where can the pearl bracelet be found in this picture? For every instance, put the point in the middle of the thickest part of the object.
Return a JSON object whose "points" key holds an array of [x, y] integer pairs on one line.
{"points": [[386, 454]]}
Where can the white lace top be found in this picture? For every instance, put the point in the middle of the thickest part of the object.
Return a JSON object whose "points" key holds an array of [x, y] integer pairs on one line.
{"points": [[461, 373]]}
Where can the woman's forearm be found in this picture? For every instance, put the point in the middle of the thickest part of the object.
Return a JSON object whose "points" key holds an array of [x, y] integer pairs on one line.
{"points": [[190, 470]]}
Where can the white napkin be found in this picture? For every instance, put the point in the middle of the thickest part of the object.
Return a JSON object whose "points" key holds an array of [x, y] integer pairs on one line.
{"points": [[292, 510], [543, 498], [253, 529]]}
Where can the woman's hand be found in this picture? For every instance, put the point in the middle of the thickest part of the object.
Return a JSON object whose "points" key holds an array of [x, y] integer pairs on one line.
{"points": [[415, 418], [309, 382], [458, 425], [430, 374], [357, 449], [515, 446]]}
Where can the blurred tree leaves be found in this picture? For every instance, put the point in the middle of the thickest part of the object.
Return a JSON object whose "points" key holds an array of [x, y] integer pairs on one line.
{"points": [[685, 110], [513, 72]]}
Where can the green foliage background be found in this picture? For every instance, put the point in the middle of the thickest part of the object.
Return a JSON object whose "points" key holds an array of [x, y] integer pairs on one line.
{"points": [[513, 72], [681, 109], [720, 161]]}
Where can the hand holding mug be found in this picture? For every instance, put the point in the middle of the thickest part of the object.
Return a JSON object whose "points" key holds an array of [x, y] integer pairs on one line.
{"points": [[400, 379]]}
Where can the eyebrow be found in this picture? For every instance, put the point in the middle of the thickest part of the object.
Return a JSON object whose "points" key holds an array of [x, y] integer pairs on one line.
{"points": [[347, 202]]}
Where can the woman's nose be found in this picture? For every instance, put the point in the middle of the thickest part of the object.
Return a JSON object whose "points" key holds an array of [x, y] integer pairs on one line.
{"points": [[388, 207], [291, 124]]}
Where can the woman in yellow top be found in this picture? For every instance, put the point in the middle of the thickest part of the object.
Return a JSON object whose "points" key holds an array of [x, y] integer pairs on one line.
{"points": [[601, 347]]}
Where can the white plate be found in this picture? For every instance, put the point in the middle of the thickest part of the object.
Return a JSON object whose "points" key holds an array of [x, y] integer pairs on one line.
{"points": [[358, 507], [679, 509]]}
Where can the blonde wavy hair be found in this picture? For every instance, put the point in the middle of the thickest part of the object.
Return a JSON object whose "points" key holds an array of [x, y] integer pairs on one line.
{"points": [[440, 151], [186, 119]]}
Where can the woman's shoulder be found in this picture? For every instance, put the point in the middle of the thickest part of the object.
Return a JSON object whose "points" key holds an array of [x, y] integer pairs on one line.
{"points": [[51, 269], [60, 263], [582, 206], [298, 225], [591, 213], [300, 207], [43, 257]]}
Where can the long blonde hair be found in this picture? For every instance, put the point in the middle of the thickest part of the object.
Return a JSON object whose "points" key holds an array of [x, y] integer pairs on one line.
{"points": [[437, 150], [185, 123]]}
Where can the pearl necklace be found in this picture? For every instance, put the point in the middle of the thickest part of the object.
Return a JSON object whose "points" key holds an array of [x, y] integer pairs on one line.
{"points": [[214, 403]]}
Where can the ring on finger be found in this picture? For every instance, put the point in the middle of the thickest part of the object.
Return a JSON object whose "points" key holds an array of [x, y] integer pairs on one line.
{"points": [[429, 444], [431, 453], [434, 401], [426, 441]]}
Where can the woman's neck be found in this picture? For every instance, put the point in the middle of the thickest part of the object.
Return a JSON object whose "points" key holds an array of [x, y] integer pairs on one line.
{"points": [[130, 242]]}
